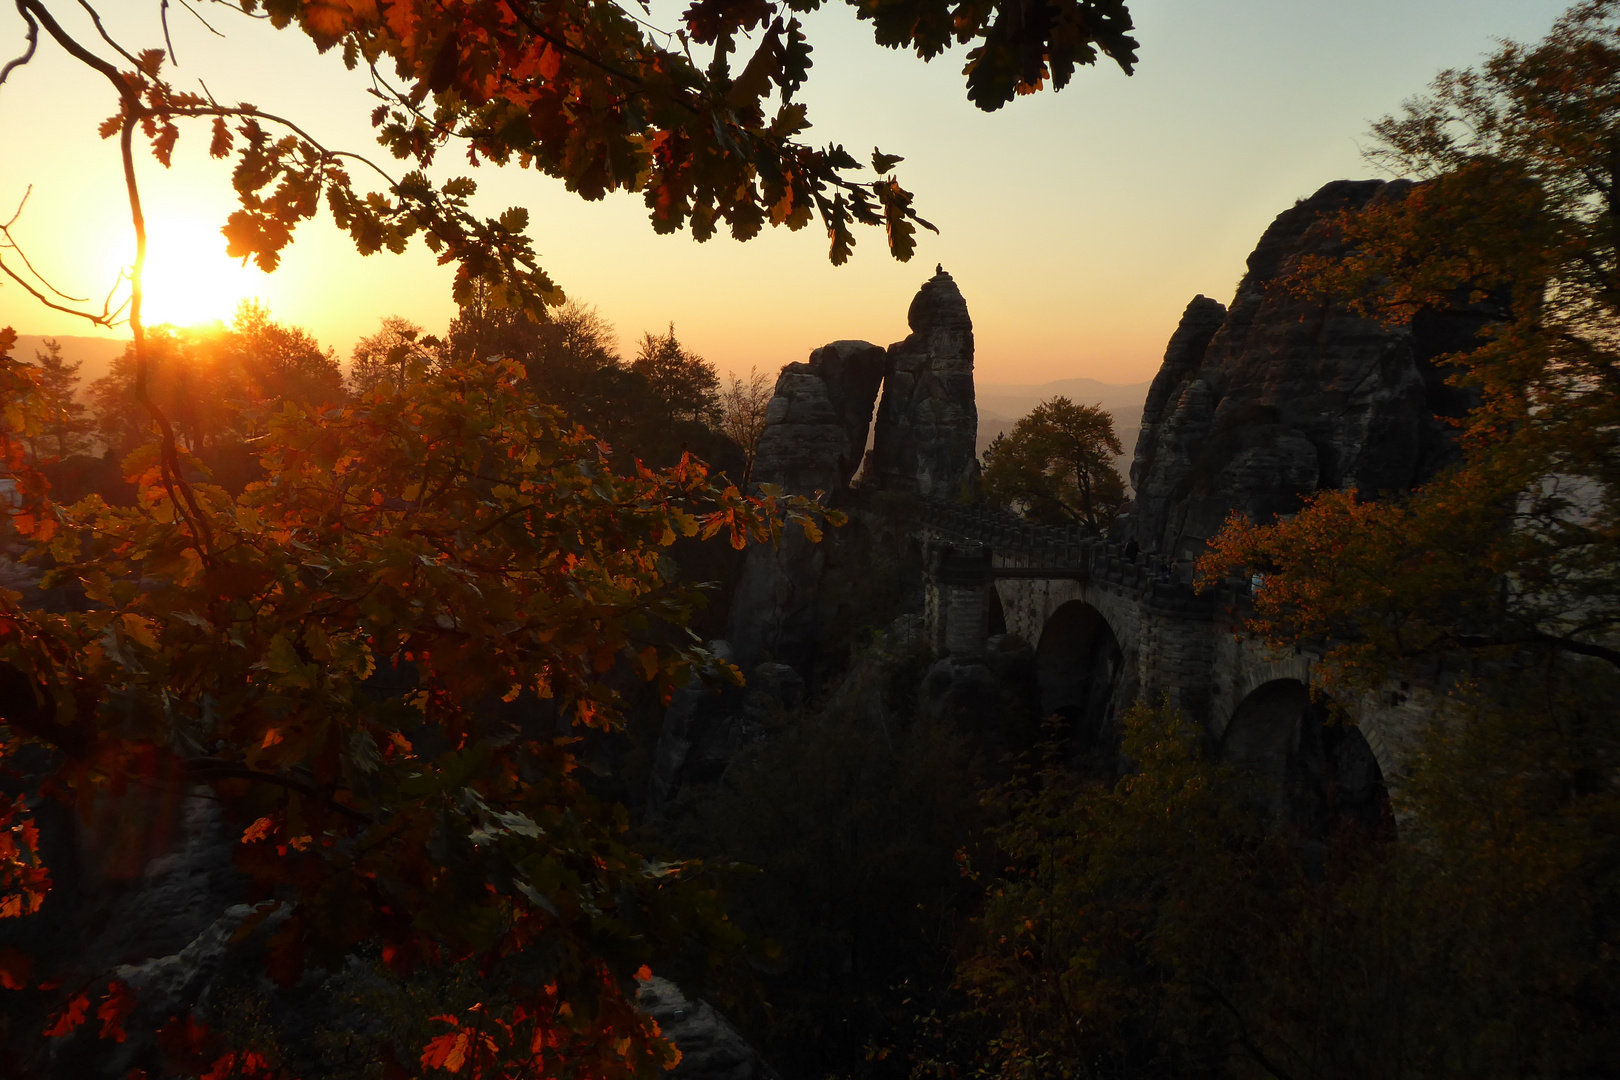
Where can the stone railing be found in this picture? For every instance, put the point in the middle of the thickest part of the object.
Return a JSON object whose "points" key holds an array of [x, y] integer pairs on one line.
{"points": [[1024, 548]]}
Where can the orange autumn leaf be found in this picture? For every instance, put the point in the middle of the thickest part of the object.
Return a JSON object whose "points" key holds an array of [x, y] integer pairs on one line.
{"points": [[448, 1051], [120, 1002], [69, 1017]]}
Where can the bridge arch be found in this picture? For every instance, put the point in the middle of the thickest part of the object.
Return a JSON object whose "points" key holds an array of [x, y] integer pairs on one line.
{"points": [[996, 618], [1321, 771], [1079, 663]]}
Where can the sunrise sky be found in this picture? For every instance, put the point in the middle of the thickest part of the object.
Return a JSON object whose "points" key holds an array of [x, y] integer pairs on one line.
{"points": [[1078, 225]]}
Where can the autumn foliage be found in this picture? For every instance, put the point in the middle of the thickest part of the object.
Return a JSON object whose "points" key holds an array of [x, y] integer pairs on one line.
{"points": [[378, 659]]}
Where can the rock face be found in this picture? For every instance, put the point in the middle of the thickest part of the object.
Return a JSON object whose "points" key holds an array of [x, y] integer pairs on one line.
{"points": [[1281, 395], [815, 433], [1182, 356], [927, 423], [708, 721], [711, 1049], [817, 421]]}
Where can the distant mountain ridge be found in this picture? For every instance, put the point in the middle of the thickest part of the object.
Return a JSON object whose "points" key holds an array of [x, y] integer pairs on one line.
{"points": [[1001, 405]]}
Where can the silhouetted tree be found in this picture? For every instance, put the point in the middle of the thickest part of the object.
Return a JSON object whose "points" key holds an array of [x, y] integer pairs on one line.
{"points": [[215, 383], [685, 385], [742, 413], [278, 362], [388, 354], [1056, 466]]}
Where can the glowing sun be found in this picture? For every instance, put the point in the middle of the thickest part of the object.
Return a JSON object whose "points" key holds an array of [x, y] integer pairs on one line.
{"points": [[189, 278]]}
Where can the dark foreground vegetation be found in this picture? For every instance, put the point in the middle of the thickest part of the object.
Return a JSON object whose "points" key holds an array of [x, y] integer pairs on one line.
{"points": [[408, 638]]}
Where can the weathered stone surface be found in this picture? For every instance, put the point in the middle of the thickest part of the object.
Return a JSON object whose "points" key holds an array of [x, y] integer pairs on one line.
{"points": [[772, 688], [815, 431], [711, 1049], [817, 421], [709, 720], [773, 611], [1289, 395], [144, 893], [1182, 356], [179, 893], [169, 985], [699, 733], [816, 427], [927, 423], [991, 693]]}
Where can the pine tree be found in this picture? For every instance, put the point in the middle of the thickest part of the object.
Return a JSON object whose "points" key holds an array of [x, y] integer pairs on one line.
{"points": [[683, 381], [65, 429]]}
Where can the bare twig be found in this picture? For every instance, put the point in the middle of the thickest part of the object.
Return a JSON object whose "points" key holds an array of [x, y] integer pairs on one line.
{"points": [[11, 243], [198, 16], [17, 213], [181, 496], [95, 17], [47, 301], [236, 9], [173, 481], [168, 42], [74, 49]]}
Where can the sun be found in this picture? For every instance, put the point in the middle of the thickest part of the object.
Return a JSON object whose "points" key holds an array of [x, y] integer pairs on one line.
{"points": [[189, 279]]}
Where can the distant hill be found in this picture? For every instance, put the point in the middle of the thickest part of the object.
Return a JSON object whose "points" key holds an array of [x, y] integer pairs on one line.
{"points": [[95, 353], [1001, 405]]}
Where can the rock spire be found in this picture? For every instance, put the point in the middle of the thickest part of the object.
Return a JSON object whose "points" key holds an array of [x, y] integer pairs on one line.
{"points": [[927, 423]]}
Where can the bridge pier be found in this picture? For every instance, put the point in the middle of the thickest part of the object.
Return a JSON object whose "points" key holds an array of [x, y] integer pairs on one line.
{"points": [[960, 582]]}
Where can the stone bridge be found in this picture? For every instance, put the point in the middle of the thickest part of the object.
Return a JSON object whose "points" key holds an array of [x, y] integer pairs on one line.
{"points": [[1111, 625]]}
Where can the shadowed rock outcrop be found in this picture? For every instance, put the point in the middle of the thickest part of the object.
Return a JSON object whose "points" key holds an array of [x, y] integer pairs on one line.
{"points": [[815, 431], [1285, 394], [817, 421], [927, 423], [708, 721], [1182, 356], [711, 1049]]}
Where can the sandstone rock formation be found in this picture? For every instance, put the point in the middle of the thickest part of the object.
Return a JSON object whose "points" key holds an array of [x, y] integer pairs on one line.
{"points": [[927, 423], [1182, 356], [815, 432], [1283, 395], [817, 422], [711, 1049], [816, 429]]}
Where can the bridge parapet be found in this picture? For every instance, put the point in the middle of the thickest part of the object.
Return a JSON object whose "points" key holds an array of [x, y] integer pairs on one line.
{"points": [[1011, 548]]}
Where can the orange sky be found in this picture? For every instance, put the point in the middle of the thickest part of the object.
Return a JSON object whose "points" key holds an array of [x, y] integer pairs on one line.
{"points": [[1077, 225]]}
